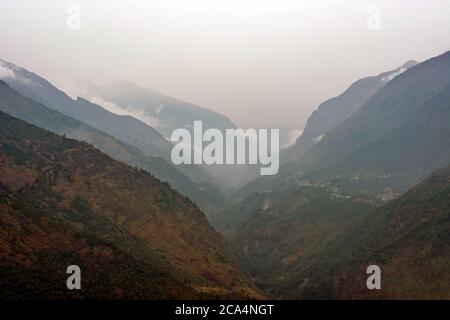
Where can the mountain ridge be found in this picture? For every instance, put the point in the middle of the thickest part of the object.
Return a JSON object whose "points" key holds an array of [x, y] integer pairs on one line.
{"points": [[75, 204], [13, 103], [399, 99], [334, 111]]}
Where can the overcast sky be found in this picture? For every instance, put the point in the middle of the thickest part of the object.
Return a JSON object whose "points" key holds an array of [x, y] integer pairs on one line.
{"points": [[262, 63]]}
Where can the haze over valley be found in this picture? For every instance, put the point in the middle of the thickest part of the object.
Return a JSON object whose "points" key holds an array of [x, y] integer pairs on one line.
{"points": [[89, 103]]}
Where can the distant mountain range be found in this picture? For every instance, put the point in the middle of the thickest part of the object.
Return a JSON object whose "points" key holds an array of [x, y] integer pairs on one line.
{"points": [[143, 111], [62, 202], [334, 111], [125, 128], [164, 112], [385, 111], [387, 143], [203, 194]]}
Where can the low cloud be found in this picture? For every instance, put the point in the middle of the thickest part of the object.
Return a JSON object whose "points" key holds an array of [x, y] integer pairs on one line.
{"points": [[10, 71], [110, 106], [114, 108], [292, 137], [391, 76], [148, 119], [5, 72]]}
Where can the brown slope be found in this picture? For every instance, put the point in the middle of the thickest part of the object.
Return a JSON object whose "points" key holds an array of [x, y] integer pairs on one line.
{"points": [[65, 199]]}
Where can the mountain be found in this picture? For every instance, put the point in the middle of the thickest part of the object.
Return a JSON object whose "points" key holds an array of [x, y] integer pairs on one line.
{"points": [[63, 202], [398, 137], [420, 142], [334, 111], [164, 112], [129, 129], [125, 128], [206, 196], [384, 111], [311, 231], [407, 238], [315, 241]]}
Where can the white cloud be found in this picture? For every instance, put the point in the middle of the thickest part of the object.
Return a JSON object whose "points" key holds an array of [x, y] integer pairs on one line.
{"points": [[5, 72], [391, 76], [8, 71], [148, 119], [110, 106], [114, 108], [292, 137]]}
